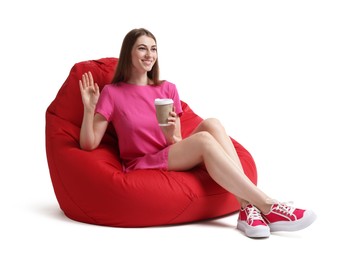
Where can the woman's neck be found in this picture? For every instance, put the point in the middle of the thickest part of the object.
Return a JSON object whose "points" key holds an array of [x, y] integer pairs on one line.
{"points": [[141, 80]]}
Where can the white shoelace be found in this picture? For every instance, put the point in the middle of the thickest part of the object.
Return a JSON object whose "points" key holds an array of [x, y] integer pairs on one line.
{"points": [[253, 214], [284, 207]]}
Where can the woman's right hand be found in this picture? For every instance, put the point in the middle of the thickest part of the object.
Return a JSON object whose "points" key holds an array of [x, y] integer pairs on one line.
{"points": [[89, 91]]}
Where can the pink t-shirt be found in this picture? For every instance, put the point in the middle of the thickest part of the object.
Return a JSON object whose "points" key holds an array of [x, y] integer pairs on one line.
{"points": [[131, 109]]}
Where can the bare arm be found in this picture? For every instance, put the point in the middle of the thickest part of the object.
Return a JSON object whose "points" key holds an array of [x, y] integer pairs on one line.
{"points": [[93, 125]]}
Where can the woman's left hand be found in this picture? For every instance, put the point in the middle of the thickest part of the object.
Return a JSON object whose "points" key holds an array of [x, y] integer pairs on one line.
{"points": [[172, 118], [172, 132]]}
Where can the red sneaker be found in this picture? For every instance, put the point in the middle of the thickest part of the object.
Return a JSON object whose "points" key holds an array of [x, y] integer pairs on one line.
{"points": [[251, 222], [283, 217]]}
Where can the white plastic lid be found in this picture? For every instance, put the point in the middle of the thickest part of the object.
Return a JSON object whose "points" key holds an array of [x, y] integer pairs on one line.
{"points": [[163, 101]]}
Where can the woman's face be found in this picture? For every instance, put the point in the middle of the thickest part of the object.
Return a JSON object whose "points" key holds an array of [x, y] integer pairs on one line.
{"points": [[144, 54]]}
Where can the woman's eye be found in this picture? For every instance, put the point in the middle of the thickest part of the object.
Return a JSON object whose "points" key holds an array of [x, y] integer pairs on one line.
{"points": [[154, 49]]}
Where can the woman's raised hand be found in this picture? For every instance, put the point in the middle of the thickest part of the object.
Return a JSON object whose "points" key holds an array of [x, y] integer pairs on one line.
{"points": [[89, 91]]}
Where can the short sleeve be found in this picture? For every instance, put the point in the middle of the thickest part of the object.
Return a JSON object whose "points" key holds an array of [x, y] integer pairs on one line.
{"points": [[105, 105], [176, 99]]}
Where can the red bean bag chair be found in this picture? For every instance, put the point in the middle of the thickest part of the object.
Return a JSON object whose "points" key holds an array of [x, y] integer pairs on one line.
{"points": [[91, 187]]}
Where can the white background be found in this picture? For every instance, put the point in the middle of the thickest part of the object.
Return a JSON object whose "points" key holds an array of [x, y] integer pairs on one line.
{"points": [[274, 72]]}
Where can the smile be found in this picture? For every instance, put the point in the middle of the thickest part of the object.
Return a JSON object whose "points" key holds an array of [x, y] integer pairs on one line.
{"points": [[148, 62]]}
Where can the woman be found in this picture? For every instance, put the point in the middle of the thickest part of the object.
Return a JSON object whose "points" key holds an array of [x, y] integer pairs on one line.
{"points": [[128, 102]]}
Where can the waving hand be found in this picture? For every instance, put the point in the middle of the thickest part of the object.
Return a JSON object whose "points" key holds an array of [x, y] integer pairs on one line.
{"points": [[89, 91]]}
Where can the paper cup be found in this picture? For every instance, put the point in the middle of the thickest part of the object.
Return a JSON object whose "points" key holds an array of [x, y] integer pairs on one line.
{"points": [[163, 107]]}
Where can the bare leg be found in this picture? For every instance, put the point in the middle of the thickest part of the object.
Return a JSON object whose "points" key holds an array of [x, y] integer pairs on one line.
{"points": [[216, 129], [209, 144]]}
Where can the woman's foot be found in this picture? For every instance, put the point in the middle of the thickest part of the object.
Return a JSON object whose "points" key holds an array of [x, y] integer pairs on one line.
{"points": [[283, 217], [250, 221]]}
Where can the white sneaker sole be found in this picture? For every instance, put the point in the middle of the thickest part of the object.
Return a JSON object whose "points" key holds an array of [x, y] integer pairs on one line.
{"points": [[308, 218], [253, 232]]}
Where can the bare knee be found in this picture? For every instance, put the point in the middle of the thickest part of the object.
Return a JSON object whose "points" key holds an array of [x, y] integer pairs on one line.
{"points": [[211, 125], [204, 140], [191, 151]]}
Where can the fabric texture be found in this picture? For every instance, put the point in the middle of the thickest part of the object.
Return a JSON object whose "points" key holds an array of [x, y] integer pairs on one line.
{"points": [[131, 109], [91, 187]]}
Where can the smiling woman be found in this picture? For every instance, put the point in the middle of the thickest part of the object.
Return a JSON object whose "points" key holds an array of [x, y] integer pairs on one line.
{"points": [[92, 187], [127, 103], [138, 62]]}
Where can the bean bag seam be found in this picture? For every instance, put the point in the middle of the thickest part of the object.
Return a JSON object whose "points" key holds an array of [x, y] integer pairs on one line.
{"points": [[192, 199], [53, 113], [182, 212], [58, 174]]}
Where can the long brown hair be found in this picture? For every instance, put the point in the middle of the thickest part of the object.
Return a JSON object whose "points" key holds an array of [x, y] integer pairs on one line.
{"points": [[124, 65]]}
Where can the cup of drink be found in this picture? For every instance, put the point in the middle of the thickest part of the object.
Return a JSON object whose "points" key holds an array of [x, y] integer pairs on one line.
{"points": [[163, 107]]}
